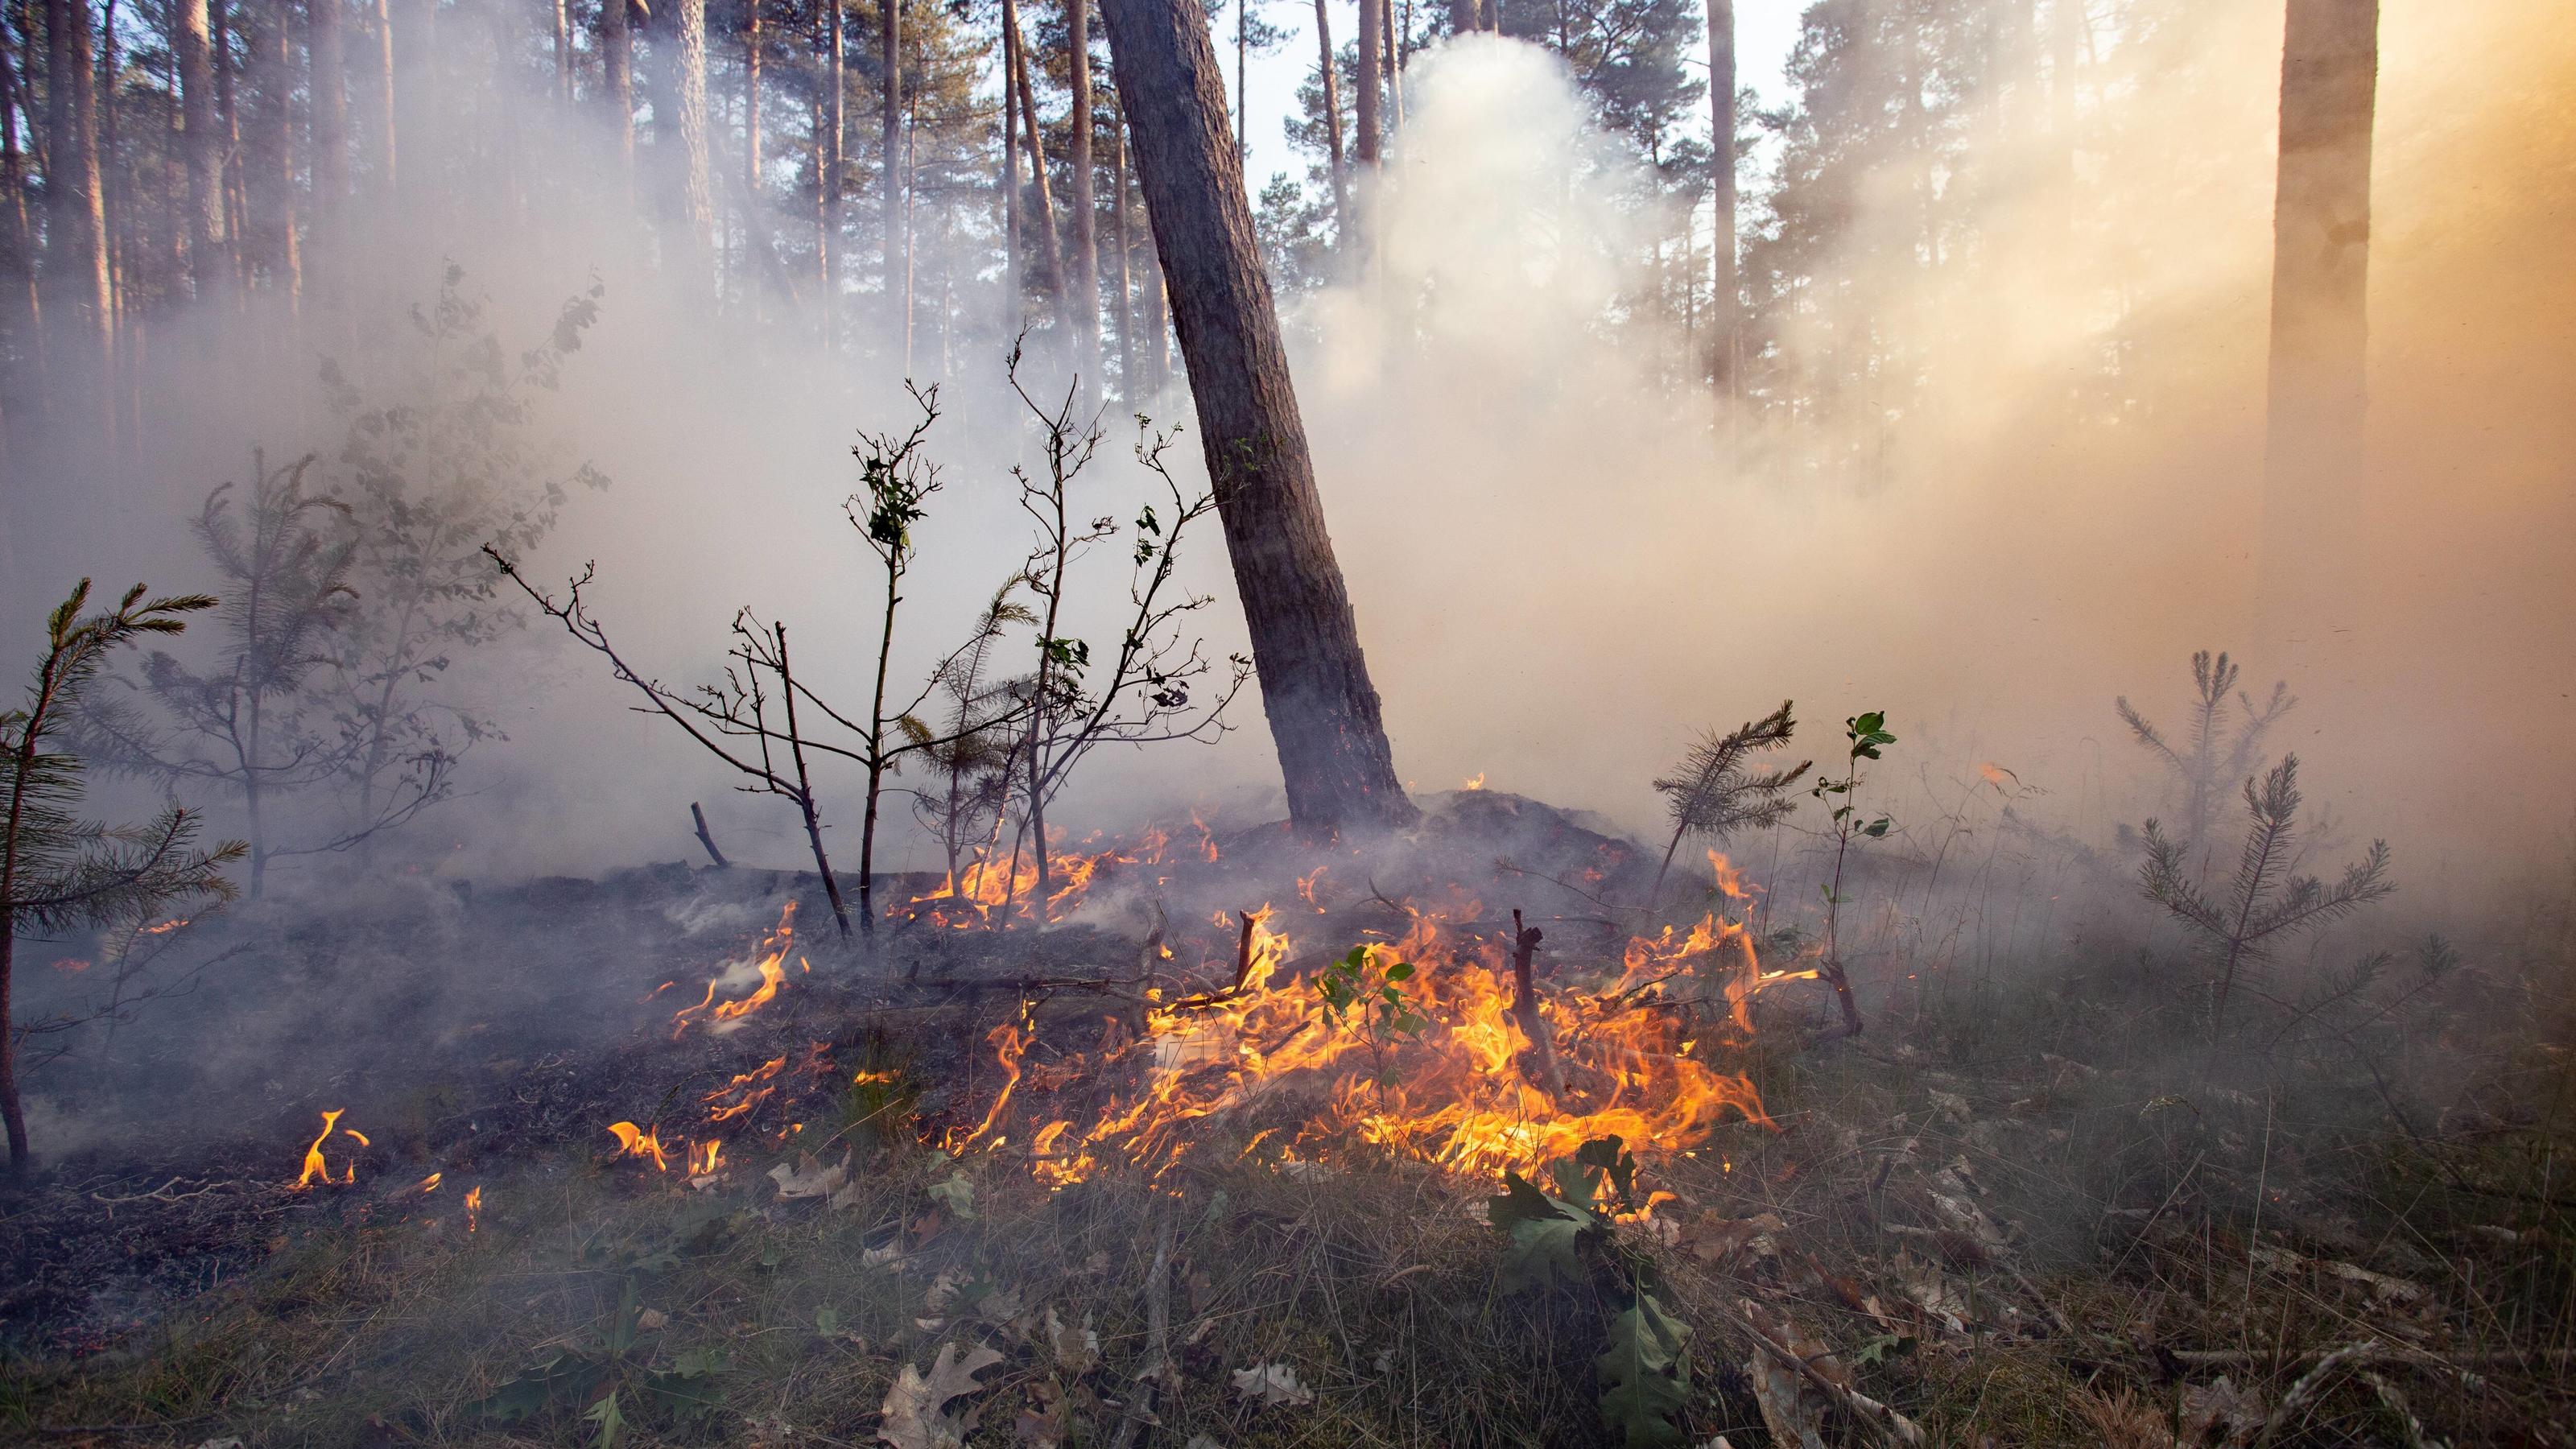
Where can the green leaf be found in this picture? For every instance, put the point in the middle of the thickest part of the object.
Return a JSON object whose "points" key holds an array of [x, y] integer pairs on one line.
{"points": [[610, 1420], [1877, 1349], [564, 1379], [1645, 1375], [827, 1321], [1875, 828], [1543, 1254], [1400, 971], [1611, 1156]]}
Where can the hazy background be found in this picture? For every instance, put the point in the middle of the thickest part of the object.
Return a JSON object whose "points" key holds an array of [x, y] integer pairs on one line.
{"points": [[1564, 568]]}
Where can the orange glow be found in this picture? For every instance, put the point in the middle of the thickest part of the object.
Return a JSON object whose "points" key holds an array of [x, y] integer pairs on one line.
{"points": [[702, 1158], [429, 1184], [633, 1141], [1628, 1053], [317, 1170], [474, 1209], [1475, 781], [767, 965]]}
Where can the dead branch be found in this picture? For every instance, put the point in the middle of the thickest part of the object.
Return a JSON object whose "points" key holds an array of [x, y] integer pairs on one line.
{"points": [[1541, 1059], [1158, 1334], [1894, 1425], [707, 840]]}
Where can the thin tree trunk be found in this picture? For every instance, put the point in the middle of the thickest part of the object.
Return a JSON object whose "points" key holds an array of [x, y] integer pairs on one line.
{"points": [[1323, 712], [1394, 66], [202, 148], [1369, 83], [697, 186], [1725, 327], [1122, 310], [111, 185], [890, 65], [1013, 292], [1085, 282], [18, 266], [751, 58], [1332, 122], [2320, 319], [1463, 17], [76, 230], [329, 105], [271, 183], [381, 21], [836, 133], [1050, 245], [617, 67], [563, 51]]}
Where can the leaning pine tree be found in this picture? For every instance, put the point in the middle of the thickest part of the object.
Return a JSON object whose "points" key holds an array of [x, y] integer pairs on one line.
{"points": [[57, 870], [1315, 687]]}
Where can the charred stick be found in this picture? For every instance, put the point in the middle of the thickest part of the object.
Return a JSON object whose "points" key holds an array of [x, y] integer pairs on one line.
{"points": [[1542, 1053], [706, 839]]}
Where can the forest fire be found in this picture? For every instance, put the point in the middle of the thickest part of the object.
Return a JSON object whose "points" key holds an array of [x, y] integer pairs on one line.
{"points": [[1433, 1046], [767, 965], [986, 893], [317, 1169]]}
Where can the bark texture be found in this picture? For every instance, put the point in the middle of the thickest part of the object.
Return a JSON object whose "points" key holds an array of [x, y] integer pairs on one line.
{"points": [[617, 91], [697, 186], [1323, 712], [1369, 83], [890, 59], [76, 221], [2320, 322], [1726, 316], [201, 147], [1085, 281]]}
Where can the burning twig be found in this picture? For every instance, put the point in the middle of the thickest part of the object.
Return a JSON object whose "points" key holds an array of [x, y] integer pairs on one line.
{"points": [[1541, 1058]]}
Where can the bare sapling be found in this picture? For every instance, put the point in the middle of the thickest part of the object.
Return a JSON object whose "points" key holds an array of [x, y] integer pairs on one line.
{"points": [[57, 870], [2266, 901], [1714, 793], [1143, 696], [973, 769]]}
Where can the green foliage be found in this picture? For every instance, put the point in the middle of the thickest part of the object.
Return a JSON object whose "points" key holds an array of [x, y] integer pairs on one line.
{"points": [[613, 1365], [1366, 998], [1569, 1239], [1645, 1374], [56, 869]]}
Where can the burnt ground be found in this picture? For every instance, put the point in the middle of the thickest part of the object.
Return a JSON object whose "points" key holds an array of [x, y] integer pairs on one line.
{"points": [[2017, 1216]]}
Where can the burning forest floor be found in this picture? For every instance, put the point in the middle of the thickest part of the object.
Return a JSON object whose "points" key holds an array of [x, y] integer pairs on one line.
{"points": [[657, 1160]]}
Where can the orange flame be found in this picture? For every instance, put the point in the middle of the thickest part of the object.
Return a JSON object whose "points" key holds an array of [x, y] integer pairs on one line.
{"points": [[429, 1184], [768, 966], [316, 1170], [1453, 1077], [474, 1208], [634, 1141], [1476, 781]]}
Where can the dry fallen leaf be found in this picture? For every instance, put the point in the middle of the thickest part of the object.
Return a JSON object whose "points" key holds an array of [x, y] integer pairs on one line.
{"points": [[808, 1178], [1272, 1383], [916, 1408], [652, 1320], [1941, 1299], [1075, 1350]]}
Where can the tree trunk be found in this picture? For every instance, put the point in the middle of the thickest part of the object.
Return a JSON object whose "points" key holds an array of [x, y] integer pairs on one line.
{"points": [[1332, 122], [271, 180], [1015, 299], [202, 147], [1725, 313], [1369, 83], [563, 51], [18, 267], [1463, 17], [1323, 713], [751, 97], [1122, 308], [76, 226], [382, 22], [329, 105], [1394, 66], [617, 66], [1050, 245], [836, 130], [2320, 282], [890, 63], [697, 188], [1085, 282]]}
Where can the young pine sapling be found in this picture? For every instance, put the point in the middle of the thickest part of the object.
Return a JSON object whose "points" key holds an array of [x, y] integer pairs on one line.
{"points": [[1715, 793], [57, 870], [2212, 756], [2266, 901]]}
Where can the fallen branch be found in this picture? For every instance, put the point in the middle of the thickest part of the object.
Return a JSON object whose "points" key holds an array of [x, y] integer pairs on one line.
{"points": [[1898, 1428], [1158, 1334], [707, 840]]}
